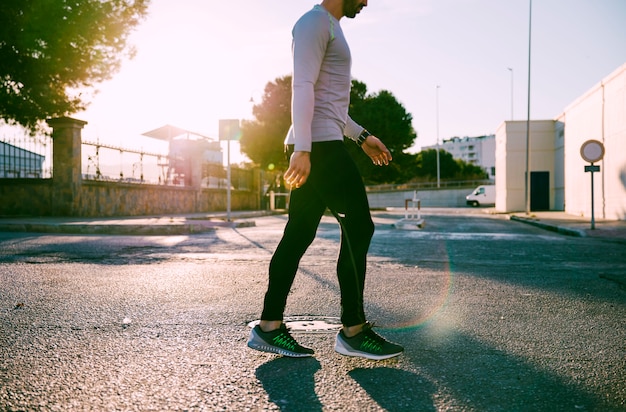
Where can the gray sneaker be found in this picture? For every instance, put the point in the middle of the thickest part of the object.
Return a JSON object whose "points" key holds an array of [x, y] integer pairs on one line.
{"points": [[367, 344], [277, 341]]}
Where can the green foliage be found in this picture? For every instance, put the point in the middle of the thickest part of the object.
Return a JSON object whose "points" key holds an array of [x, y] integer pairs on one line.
{"points": [[383, 116], [449, 168], [262, 139], [49, 49]]}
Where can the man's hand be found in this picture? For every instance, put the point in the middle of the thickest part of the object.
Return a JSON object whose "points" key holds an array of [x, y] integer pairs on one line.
{"points": [[376, 150], [299, 169]]}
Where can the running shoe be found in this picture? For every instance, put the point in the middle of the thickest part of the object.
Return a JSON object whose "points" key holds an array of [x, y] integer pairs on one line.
{"points": [[367, 344], [277, 341]]}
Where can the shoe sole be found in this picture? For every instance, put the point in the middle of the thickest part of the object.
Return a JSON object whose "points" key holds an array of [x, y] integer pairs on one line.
{"points": [[257, 343], [345, 350]]}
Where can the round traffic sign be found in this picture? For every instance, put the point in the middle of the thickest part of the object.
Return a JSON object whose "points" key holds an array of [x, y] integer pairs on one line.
{"points": [[592, 151]]}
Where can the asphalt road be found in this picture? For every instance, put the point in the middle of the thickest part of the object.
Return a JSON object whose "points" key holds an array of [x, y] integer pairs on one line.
{"points": [[495, 315]]}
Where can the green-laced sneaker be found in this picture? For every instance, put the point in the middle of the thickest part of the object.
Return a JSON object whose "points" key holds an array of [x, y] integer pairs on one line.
{"points": [[277, 341], [367, 344]]}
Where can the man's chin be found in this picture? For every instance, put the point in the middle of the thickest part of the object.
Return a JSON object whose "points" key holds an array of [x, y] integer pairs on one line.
{"points": [[353, 14]]}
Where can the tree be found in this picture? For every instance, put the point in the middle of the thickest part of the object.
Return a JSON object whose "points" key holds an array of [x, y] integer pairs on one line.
{"points": [[449, 168], [51, 50], [387, 119], [427, 164], [471, 171], [262, 139]]}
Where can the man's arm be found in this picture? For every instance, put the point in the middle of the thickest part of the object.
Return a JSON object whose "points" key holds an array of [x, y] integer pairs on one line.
{"points": [[371, 145], [376, 150], [310, 39]]}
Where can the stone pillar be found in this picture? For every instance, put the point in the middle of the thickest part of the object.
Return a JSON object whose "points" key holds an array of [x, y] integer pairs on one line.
{"points": [[66, 164]]}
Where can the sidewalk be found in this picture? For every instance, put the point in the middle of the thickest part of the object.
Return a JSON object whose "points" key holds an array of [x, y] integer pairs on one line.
{"points": [[571, 225], [555, 221], [133, 225]]}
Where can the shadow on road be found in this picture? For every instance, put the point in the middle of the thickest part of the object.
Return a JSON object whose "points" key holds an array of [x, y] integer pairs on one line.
{"points": [[396, 390], [465, 373], [290, 383]]}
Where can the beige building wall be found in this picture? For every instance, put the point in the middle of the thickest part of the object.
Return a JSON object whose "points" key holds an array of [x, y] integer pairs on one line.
{"points": [[600, 114], [511, 161], [559, 166]]}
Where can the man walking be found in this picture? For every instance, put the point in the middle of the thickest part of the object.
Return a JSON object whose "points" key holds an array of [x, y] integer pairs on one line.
{"points": [[322, 175]]}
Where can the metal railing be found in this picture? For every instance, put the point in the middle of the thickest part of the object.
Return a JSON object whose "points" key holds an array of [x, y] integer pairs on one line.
{"points": [[104, 162], [426, 185], [23, 156]]}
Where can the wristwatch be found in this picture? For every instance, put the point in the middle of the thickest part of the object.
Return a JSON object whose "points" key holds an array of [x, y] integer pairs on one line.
{"points": [[362, 137]]}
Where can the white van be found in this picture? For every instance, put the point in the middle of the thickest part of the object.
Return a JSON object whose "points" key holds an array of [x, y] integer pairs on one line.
{"points": [[482, 196]]}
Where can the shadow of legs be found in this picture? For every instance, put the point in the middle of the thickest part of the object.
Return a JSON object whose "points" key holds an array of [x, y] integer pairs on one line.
{"points": [[290, 383], [395, 390]]}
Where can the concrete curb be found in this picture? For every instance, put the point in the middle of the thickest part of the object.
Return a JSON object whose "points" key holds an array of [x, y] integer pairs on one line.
{"points": [[551, 227], [126, 229]]}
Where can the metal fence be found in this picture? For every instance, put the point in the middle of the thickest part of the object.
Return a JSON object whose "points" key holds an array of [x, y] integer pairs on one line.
{"points": [[23, 156], [106, 162], [444, 184]]}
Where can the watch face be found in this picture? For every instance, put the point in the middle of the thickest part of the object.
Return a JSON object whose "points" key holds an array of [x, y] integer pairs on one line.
{"points": [[592, 151]]}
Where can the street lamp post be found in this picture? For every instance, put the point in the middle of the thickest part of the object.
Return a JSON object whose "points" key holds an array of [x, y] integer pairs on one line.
{"points": [[438, 164], [527, 191]]}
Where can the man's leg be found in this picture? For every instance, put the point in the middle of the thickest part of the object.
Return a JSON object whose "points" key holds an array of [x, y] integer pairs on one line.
{"points": [[356, 234], [340, 186], [271, 335], [357, 230], [305, 212], [357, 337], [342, 190]]}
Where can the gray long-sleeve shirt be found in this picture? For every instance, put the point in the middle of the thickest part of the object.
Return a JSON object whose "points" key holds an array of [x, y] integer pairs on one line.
{"points": [[321, 82]]}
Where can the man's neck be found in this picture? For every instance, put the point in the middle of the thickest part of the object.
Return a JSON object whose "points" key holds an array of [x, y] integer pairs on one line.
{"points": [[334, 7]]}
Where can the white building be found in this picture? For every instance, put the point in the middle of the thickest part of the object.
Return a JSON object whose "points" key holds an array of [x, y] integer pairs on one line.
{"points": [[558, 180], [479, 151], [193, 158]]}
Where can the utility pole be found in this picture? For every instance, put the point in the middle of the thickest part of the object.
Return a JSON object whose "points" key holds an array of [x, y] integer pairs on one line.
{"points": [[438, 164], [527, 192]]}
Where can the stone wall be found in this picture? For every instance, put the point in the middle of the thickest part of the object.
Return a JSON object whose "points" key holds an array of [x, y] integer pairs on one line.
{"points": [[25, 197], [428, 197], [120, 199], [34, 197]]}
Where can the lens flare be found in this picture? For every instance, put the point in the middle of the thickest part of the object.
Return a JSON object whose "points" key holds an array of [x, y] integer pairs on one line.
{"points": [[437, 305]]}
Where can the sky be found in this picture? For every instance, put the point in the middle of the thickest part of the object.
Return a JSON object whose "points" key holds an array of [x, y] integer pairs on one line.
{"points": [[459, 67]]}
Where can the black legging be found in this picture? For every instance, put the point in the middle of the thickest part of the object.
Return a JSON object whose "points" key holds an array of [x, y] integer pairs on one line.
{"points": [[334, 183]]}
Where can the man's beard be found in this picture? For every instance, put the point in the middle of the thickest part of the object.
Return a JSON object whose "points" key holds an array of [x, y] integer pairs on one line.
{"points": [[351, 8]]}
